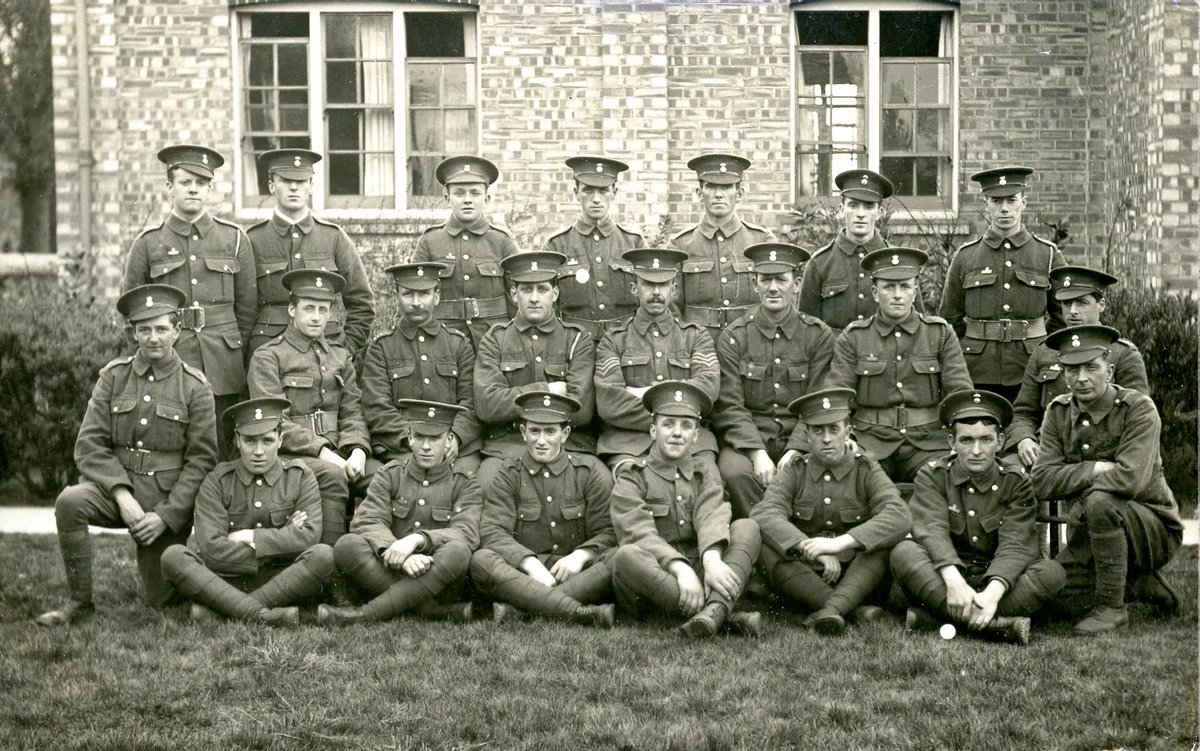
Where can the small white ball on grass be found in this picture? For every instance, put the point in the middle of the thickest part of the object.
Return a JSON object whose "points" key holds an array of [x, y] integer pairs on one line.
{"points": [[948, 631]]}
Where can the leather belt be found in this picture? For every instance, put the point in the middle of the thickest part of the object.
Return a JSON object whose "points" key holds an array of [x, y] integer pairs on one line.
{"points": [[272, 315], [713, 317], [467, 308], [147, 462], [897, 417], [196, 317], [1006, 329], [315, 421]]}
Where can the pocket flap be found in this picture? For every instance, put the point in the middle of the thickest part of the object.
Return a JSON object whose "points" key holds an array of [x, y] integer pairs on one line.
{"points": [[161, 268], [834, 288], [573, 512], [1048, 374], [556, 369], [978, 279], [509, 366], [401, 370], [233, 339], [973, 346], [798, 372], [743, 267], [992, 523], [682, 363], [659, 510], [804, 509], [123, 405], [222, 265], [489, 268], [446, 271], [447, 368], [298, 381], [635, 359], [754, 372], [402, 507], [172, 411], [528, 512], [441, 513], [1034, 278], [697, 267], [854, 515], [957, 522], [322, 262], [869, 367], [926, 365], [279, 517], [275, 267]]}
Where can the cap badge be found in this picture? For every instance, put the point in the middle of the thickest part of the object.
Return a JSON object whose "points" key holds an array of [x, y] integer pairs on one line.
{"points": [[204, 158], [466, 168], [599, 167], [864, 180], [258, 414], [654, 264], [545, 401], [1067, 281], [420, 271], [678, 396], [533, 266], [149, 302], [723, 169], [975, 398], [1074, 340], [432, 412], [318, 282], [296, 162], [895, 260], [1003, 180], [825, 403], [772, 256]]}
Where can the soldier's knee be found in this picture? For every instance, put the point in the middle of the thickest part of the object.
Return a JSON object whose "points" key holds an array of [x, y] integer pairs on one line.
{"points": [[70, 508], [350, 550], [906, 556], [627, 558], [454, 555], [320, 560], [1049, 576], [173, 561], [1101, 511], [483, 562], [745, 532]]}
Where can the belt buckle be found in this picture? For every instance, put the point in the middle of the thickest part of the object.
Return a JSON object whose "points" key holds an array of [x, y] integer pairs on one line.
{"points": [[902, 417], [193, 317], [317, 421], [137, 460], [470, 307], [1005, 329]]}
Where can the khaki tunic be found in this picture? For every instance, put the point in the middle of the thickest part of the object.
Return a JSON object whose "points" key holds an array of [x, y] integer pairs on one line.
{"points": [[441, 504], [594, 282], [718, 281]]}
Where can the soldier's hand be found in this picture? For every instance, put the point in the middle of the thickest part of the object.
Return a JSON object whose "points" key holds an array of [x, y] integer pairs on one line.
{"points": [[983, 610], [299, 519], [329, 455], [398, 552], [691, 591], [722, 579], [244, 536], [1027, 451], [1101, 467], [356, 464], [569, 565], [416, 564], [831, 569], [815, 547], [787, 458], [960, 598], [637, 391], [764, 468], [148, 529], [130, 510], [557, 387], [533, 566]]}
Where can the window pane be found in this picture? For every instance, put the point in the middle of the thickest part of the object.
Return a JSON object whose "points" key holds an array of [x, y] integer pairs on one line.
{"points": [[459, 82], [933, 83], [848, 68], [422, 181], [434, 34], [260, 69], [278, 24], [913, 34], [460, 131], [426, 131], [345, 132], [900, 171], [423, 85], [897, 130], [293, 118], [293, 64], [831, 28], [932, 130], [377, 82], [262, 118], [293, 97], [378, 176], [345, 174], [929, 177], [341, 32], [897, 83], [814, 72], [341, 82]]}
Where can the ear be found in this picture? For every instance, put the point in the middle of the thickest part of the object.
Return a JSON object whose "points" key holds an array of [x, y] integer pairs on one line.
{"points": [[1101, 304], [566, 431], [554, 293], [740, 191]]}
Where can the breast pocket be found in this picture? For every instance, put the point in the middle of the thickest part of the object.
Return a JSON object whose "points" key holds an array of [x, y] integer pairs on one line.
{"points": [[697, 281], [957, 522], [163, 262], [220, 277], [798, 375], [1047, 375], [170, 424], [322, 260], [978, 280], [515, 371], [854, 515], [1034, 279], [929, 366], [441, 512], [491, 276], [659, 510], [555, 371], [448, 375], [529, 511], [402, 507], [868, 368], [124, 420], [803, 508], [636, 369], [680, 367], [297, 387], [833, 289]]}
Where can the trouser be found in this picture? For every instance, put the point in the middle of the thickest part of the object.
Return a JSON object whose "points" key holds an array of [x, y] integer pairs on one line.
{"points": [[903, 464], [1112, 541], [496, 578], [737, 471], [241, 598], [1038, 585], [642, 585], [335, 496], [392, 591], [862, 577], [87, 503]]}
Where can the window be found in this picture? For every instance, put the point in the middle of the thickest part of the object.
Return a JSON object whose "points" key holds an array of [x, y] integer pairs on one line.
{"points": [[382, 113], [875, 89]]}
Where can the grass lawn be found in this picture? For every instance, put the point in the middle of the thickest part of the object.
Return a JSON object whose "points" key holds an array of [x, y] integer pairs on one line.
{"points": [[135, 679]]}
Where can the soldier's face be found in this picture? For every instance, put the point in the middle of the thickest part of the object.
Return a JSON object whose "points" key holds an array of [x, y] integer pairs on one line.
{"points": [[776, 292], [654, 297], [895, 297], [535, 300], [975, 444], [188, 192], [1004, 213], [719, 201], [416, 305], [290, 195], [309, 316], [1090, 380], [156, 336], [1083, 310], [595, 201], [860, 217], [258, 452], [829, 441], [467, 201], [429, 450], [674, 436], [544, 440]]}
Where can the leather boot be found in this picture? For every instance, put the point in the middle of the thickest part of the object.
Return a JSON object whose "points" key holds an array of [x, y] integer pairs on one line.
{"points": [[457, 612], [919, 619], [707, 622], [502, 612], [516, 588], [827, 622], [600, 616], [745, 623], [76, 549], [72, 612], [184, 569], [1153, 590], [1101, 620], [864, 614], [329, 615], [1013, 630], [299, 581], [280, 617]]}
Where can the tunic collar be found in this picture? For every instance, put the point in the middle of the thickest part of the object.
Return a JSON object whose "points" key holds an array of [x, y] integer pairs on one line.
{"points": [[273, 473], [283, 224], [642, 321], [843, 243], [181, 226], [437, 472], [556, 467], [839, 470], [960, 476], [301, 342], [731, 224], [477, 227], [605, 226], [993, 238], [667, 469], [431, 327], [549, 326], [1098, 409], [162, 369], [909, 324], [789, 324]]}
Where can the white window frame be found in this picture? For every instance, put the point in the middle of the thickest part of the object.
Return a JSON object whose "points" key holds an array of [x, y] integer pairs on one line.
{"points": [[316, 110], [874, 108]]}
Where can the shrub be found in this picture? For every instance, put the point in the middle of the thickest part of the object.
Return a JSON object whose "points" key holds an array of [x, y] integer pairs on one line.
{"points": [[52, 346]]}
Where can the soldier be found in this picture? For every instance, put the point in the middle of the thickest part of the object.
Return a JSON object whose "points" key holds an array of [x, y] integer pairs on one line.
{"points": [[410, 541], [829, 520], [209, 259], [147, 440], [256, 553], [292, 239], [974, 556], [545, 533], [534, 351], [1080, 291], [325, 426], [594, 280], [717, 285], [1100, 449], [901, 363], [420, 359], [835, 287], [673, 526], [470, 246], [649, 348], [997, 293]]}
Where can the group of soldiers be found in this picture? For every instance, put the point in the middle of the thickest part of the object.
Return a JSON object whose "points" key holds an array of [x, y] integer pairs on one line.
{"points": [[599, 424]]}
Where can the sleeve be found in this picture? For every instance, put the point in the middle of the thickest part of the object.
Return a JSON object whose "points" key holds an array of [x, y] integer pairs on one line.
{"points": [[1130, 372], [810, 290], [706, 371], [931, 523], [616, 406], [632, 521], [712, 514], [466, 424], [731, 417], [494, 398], [498, 522], [1018, 544], [1027, 408], [952, 304], [1053, 476], [581, 372], [212, 533], [955, 375], [890, 518], [372, 519], [465, 517], [356, 295], [199, 457], [94, 455], [137, 264], [290, 540], [597, 489], [352, 427], [1054, 316], [262, 379], [422, 252], [841, 366], [245, 285], [1137, 452], [773, 513], [384, 421]]}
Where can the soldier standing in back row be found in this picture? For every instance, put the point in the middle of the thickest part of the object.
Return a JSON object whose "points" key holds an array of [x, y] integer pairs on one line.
{"points": [[593, 283], [717, 283], [997, 293], [295, 239], [212, 262], [473, 293]]}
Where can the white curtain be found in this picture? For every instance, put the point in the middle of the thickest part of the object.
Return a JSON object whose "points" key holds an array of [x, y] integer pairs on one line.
{"points": [[379, 177]]}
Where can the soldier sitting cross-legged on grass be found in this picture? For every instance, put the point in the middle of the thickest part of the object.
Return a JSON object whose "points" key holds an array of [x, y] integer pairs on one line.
{"points": [[258, 518]]}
